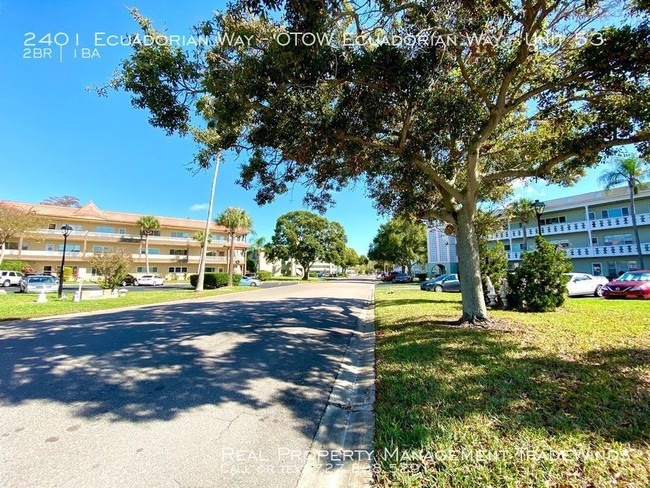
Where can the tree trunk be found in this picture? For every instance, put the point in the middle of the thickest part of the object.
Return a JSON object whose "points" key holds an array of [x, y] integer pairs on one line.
{"points": [[523, 227], [474, 310], [146, 253], [305, 275], [231, 258], [2, 252], [636, 229]]}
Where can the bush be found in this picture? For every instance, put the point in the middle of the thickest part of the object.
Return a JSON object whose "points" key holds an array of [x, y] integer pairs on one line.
{"points": [[264, 275], [539, 284], [67, 273], [215, 280], [14, 265], [312, 274]]}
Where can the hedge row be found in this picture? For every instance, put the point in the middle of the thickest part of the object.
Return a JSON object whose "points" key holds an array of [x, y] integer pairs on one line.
{"points": [[264, 275], [215, 280]]}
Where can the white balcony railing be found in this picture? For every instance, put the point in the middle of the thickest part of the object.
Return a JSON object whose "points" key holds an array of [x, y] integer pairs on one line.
{"points": [[566, 228], [77, 255], [75, 235], [595, 251]]}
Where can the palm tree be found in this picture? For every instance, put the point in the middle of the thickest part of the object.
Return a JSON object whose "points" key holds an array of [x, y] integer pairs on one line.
{"points": [[522, 210], [256, 248], [236, 220], [148, 224], [630, 170], [199, 236]]}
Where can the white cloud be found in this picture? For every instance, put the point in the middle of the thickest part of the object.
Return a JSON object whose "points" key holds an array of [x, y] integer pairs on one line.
{"points": [[198, 206]]}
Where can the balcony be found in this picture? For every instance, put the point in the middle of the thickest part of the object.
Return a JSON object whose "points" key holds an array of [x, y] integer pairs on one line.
{"points": [[137, 258], [595, 251], [567, 228]]}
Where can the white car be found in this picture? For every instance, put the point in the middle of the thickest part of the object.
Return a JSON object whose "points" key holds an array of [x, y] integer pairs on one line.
{"points": [[39, 283], [150, 280], [585, 284], [249, 282], [9, 278]]}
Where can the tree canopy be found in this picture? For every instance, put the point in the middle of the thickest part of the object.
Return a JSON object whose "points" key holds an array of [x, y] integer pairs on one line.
{"points": [[15, 222], [238, 222], [307, 238], [400, 242], [64, 201], [436, 106]]}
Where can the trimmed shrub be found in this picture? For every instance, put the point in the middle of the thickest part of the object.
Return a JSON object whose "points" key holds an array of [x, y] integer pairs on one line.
{"points": [[13, 265], [539, 284], [215, 280], [312, 274], [67, 273], [264, 275]]}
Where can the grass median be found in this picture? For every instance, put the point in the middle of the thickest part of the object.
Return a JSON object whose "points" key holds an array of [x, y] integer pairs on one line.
{"points": [[556, 399], [23, 306]]}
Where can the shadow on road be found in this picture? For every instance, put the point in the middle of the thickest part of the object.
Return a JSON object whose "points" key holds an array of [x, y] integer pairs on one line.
{"points": [[154, 363]]}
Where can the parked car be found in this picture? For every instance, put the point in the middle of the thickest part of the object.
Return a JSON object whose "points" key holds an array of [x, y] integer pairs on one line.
{"points": [[580, 284], [9, 278], [633, 284], [389, 276], [429, 284], [251, 275], [249, 282], [149, 280], [129, 280], [402, 278], [449, 282], [39, 283]]}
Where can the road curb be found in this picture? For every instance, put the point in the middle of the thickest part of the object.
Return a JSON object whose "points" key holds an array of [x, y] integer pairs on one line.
{"points": [[341, 452]]}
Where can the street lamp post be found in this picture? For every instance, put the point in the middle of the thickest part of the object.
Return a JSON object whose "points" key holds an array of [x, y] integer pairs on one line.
{"points": [[66, 230], [539, 210]]}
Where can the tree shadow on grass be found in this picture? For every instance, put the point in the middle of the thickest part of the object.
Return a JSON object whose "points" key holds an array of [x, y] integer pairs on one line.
{"points": [[154, 363], [457, 373]]}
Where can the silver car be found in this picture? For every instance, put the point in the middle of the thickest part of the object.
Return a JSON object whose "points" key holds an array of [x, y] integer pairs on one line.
{"points": [[39, 283]]}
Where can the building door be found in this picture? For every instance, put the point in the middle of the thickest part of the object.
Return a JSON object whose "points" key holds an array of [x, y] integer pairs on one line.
{"points": [[596, 269]]}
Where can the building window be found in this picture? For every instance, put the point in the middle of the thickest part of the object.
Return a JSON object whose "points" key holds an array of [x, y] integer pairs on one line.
{"points": [[553, 220], [209, 270], [178, 252], [594, 241], [220, 270], [121, 231], [562, 244], [142, 269], [181, 269], [592, 216], [24, 246], [11, 246], [152, 250], [615, 212], [51, 226], [70, 248], [617, 240], [180, 234], [211, 253], [49, 247], [105, 230], [102, 249], [596, 269], [77, 227], [47, 269], [506, 247]]}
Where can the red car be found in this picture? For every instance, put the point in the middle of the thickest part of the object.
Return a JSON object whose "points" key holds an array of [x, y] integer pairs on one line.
{"points": [[633, 284], [389, 276]]}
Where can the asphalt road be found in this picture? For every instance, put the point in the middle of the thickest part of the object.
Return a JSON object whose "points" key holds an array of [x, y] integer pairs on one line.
{"points": [[222, 392]]}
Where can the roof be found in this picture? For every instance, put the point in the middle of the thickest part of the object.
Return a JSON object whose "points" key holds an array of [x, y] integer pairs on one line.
{"points": [[90, 211]]}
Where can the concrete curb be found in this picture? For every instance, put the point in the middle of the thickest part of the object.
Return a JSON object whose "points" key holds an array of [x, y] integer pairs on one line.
{"points": [[341, 452]]}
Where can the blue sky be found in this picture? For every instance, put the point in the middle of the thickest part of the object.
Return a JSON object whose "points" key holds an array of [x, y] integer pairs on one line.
{"points": [[56, 138]]}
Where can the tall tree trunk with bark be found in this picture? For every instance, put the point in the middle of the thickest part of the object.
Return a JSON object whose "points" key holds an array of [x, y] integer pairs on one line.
{"points": [[635, 227], [2, 252], [231, 259], [474, 309]]}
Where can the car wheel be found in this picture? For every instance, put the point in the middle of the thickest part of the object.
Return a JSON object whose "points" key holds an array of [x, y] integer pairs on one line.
{"points": [[599, 291], [123, 283], [135, 283], [253, 284], [6, 283], [439, 288]]}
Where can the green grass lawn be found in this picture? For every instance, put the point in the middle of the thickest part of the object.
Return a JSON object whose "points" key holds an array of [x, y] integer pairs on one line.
{"points": [[551, 400], [23, 306]]}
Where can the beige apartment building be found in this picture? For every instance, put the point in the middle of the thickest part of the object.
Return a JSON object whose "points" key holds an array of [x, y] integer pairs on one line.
{"points": [[173, 253]]}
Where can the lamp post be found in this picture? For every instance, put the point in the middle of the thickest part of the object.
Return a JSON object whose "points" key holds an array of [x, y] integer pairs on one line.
{"points": [[66, 230], [539, 210]]}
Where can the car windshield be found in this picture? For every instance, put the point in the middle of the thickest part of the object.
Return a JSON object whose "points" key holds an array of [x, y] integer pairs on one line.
{"points": [[41, 279], [635, 277]]}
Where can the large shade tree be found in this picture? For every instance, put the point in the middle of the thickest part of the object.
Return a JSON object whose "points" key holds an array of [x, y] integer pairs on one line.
{"points": [[632, 172], [499, 90], [238, 223], [307, 237], [400, 242], [16, 221], [148, 226]]}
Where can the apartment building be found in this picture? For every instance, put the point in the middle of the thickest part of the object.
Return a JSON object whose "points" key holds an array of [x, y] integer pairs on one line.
{"points": [[594, 229], [441, 252], [172, 250]]}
